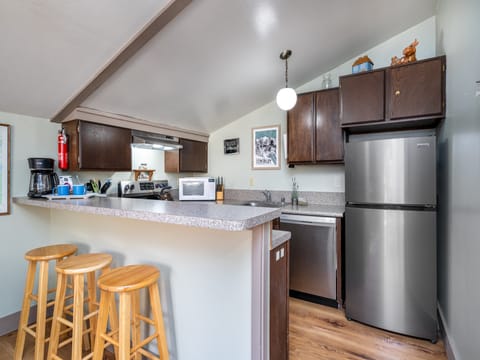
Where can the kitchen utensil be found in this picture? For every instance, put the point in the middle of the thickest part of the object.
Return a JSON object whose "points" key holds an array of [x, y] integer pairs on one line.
{"points": [[95, 186], [106, 185]]}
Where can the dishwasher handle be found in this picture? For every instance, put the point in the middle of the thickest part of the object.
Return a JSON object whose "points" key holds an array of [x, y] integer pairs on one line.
{"points": [[308, 220]]}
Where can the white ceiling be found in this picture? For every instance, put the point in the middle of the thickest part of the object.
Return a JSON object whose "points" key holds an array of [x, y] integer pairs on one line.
{"points": [[216, 61]]}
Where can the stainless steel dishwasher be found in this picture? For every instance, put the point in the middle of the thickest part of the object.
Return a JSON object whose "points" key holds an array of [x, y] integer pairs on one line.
{"points": [[313, 258]]}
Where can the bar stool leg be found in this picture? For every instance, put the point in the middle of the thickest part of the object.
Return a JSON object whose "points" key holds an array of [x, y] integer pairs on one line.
{"points": [[21, 334], [78, 296], [41, 310], [92, 296], [158, 319], [114, 323], [136, 323], [125, 308], [105, 299], [57, 312]]}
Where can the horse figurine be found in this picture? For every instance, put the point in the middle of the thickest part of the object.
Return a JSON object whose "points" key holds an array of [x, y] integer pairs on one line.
{"points": [[408, 54]]}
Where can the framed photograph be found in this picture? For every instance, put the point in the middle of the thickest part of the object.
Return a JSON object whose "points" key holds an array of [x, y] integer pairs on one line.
{"points": [[266, 148], [4, 169], [231, 146]]}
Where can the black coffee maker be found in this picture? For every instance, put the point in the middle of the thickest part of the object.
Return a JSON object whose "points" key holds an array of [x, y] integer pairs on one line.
{"points": [[42, 177]]}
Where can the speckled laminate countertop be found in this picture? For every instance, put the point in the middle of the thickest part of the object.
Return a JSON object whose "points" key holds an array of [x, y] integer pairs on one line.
{"points": [[311, 209], [279, 237], [205, 215]]}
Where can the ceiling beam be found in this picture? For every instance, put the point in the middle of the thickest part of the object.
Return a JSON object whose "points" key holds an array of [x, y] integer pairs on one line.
{"points": [[167, 14]]}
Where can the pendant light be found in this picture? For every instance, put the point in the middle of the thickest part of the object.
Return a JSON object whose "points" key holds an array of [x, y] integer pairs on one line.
{"points": [[286, 97]]}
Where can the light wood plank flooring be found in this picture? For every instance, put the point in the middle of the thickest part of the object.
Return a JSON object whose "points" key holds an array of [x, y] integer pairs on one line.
{"points": [[321, 332], [7, 348]]}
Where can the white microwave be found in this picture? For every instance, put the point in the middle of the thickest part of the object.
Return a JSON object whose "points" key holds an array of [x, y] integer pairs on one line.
{"points": [[196, 188]]}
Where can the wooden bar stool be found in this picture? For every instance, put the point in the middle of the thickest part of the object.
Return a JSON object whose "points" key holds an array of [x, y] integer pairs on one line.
{"points": [[42, 256], [127, 282], [77, 267]]}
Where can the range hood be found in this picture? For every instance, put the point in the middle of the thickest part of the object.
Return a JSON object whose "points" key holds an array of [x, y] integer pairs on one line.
{"points": [[146, 140]]}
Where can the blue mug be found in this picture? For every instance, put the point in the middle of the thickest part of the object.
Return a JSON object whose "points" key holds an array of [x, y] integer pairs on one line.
{"points": [[79, 189], [62, 190]]}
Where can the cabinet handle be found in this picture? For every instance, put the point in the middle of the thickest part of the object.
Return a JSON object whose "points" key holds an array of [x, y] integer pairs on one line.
{"points": [[397, 92]]}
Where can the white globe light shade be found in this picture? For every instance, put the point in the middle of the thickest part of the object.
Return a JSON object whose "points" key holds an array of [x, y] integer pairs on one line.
{"points": [[286, 98]]}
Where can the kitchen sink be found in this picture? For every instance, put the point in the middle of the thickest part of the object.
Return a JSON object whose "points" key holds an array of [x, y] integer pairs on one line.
{"points": [[262, 204]]}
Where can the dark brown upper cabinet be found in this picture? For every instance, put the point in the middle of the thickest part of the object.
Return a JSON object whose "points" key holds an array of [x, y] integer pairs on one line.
{"points": [[328, 136], [404, 96], [193, 157], [416, 90], [363, 97], [301, 130], [95, 146], [313, 129]]}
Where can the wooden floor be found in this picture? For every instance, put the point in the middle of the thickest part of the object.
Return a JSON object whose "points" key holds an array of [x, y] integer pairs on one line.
{"points": [[7, 349], [320, 332]]}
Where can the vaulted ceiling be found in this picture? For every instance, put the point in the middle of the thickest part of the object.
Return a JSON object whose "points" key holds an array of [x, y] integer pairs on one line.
{"points": [[214, 62]]}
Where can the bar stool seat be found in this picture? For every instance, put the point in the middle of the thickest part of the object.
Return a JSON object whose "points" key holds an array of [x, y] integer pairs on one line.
{"points": [[77, 267], [42, 256], [127, 281]]}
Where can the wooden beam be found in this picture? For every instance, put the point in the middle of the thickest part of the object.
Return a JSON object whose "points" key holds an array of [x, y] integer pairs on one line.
{"points": [[167, 14]]}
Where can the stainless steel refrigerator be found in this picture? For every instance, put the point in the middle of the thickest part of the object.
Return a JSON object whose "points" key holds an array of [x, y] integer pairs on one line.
{"points": [[390, 224]]}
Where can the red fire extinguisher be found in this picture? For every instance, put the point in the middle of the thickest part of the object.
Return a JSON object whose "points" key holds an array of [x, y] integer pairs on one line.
{"points": [[62, 150]]}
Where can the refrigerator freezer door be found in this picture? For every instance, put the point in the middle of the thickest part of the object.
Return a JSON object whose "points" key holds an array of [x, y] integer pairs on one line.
{"points": [[391, 270], [391, 171]]}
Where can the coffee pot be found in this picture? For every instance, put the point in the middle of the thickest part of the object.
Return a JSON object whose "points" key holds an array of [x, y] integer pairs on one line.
{"points": [[42, 177]]}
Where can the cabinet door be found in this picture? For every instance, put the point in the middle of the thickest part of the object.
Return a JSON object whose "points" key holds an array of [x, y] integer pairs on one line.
{"points": [[301, 125], [363, 97], [103, 147], [279, 302], [328, 139], [416, 90], [193, 157]]}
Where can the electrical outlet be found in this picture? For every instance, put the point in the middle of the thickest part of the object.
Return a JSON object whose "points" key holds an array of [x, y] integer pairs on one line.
{"points": [[251, 182]]}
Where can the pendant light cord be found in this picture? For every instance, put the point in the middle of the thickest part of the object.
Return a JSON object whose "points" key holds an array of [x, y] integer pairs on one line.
{"points": [[286, 73]]}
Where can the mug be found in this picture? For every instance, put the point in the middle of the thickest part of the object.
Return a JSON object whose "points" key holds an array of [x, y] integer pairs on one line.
{"points": [[79, 189], [62, 190]]}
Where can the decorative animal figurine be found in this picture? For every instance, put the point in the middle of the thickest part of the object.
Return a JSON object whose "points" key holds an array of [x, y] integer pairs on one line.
{"points": [[408, 54]]}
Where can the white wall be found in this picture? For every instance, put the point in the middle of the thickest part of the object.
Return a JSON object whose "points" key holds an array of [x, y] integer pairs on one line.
{"points": [[459, 178], [237, 169], [25, 228]]}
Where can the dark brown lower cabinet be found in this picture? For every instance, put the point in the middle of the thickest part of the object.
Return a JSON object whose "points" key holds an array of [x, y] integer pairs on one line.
{"points": [[279, 285]]}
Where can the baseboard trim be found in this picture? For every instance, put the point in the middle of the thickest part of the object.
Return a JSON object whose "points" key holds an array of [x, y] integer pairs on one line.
{"points": [[447, 339], [9, 323]]}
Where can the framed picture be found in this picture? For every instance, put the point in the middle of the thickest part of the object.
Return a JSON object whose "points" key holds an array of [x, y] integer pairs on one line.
{"points": [[266, 147], [231, 146], [4, 169]]}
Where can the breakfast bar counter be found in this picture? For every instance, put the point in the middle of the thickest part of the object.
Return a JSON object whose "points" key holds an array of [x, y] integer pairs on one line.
{"points": [[197, 214], [213, 259]]}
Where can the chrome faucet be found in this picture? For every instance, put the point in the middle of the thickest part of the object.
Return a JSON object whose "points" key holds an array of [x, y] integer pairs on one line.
{"points": [[268, 195]]}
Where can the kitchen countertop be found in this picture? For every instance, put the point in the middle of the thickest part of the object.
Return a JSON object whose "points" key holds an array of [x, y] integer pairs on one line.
{"points": [[310, 209], [204, 215], [279, 237]]}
